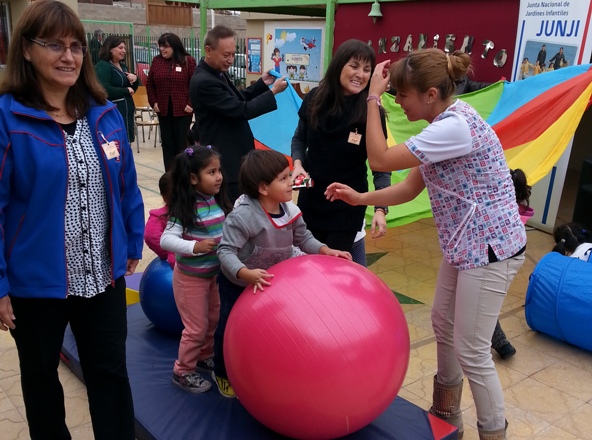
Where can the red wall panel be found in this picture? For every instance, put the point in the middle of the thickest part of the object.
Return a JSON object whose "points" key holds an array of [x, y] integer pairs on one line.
{"points": [[483, 20]]}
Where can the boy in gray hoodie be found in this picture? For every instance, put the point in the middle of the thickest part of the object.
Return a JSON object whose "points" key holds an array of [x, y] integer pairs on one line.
{"points": [[257, 234]]}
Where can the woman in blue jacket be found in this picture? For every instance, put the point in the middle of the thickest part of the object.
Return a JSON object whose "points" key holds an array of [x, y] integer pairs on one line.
{"points": [[72, 221]]}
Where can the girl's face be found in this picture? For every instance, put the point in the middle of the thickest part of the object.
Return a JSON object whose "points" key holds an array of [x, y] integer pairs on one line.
{"points": [[280, 189], [413, 103], [355, 76], [209, 179]]}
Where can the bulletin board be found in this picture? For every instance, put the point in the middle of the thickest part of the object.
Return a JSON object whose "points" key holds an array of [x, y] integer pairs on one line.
{"points": [[254, 55]]}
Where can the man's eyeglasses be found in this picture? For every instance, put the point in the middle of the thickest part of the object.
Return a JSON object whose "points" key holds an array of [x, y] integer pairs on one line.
{"points": [[76, 49]]}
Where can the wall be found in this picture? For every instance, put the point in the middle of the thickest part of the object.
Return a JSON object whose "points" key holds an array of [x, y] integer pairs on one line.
{"points": [[137, 14], [494, 21]]}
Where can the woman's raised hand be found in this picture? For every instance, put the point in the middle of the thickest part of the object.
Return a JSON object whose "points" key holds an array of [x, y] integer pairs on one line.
{"points": [[380, 78], [339, 191]]}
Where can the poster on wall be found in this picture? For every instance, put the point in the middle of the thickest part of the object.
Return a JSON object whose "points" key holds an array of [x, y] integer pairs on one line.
{"points": [[254, 55], [550, 36], [296, 53]]}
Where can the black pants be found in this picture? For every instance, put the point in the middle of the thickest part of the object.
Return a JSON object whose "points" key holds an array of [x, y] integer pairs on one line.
{"points": [[229, 294], [173, 132], [342, 241], [99, 325]]}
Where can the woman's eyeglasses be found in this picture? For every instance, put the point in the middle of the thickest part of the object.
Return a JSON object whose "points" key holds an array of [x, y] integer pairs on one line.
{"points": [[76, 49]]}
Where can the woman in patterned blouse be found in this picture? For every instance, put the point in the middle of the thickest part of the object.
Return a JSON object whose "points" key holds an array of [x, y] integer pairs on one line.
{"points": [[460, 160], [72, 222]]}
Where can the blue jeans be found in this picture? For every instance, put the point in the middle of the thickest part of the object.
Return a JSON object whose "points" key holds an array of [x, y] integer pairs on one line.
{"points": [[466, 308], [358, 252]]}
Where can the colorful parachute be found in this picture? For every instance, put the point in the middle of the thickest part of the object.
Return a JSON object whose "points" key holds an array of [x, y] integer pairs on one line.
{"points": [[275, 130], [534, 118]]}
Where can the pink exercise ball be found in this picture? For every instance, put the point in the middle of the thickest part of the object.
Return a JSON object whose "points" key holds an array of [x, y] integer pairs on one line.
{"points": [[320, 353]]}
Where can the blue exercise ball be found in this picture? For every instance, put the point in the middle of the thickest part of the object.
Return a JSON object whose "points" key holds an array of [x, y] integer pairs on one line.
{"points": [[157, 299]]}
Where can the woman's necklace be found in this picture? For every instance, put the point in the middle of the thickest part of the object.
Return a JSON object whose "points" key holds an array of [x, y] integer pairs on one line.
{"points": [[61, 116]]}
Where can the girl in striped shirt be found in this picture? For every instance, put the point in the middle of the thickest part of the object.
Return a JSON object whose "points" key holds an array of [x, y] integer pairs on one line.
{"points": [[197, 211]]}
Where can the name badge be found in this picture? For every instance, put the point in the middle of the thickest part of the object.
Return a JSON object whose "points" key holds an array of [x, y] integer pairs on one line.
{"points": [[111, 150], [354, 138], [178, 69]]}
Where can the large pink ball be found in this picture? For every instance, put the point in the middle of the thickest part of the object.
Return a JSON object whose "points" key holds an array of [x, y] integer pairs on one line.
{"points": [[320, 353]]}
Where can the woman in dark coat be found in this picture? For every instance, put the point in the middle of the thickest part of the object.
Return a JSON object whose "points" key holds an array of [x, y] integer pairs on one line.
{"points": [[119, 83]]}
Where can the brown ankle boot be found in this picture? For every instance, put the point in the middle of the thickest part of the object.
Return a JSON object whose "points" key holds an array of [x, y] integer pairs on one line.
{"points": [[500, 434], [446, 404]]}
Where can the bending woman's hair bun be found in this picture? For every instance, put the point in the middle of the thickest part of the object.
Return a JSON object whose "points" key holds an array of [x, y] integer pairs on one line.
{"points": [[459, 65]]}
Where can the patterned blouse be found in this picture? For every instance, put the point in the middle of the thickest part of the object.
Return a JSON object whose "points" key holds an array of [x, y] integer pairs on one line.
{"points": [[472, 194], [86, 217]]}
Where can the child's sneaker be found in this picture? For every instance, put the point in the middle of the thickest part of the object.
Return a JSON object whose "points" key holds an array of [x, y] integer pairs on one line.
{"points": [[224, 386], [192, 382], [206, 364]]}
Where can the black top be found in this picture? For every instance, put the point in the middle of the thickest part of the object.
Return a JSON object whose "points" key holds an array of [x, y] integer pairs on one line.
{"points": [[331, 158]]}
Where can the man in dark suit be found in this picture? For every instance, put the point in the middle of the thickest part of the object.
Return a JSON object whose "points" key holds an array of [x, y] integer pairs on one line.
{"points": [[558, 60], [95, 44], [221, 111]]}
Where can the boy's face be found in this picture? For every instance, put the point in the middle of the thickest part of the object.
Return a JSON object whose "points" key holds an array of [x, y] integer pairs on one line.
{"points": [[280, 189]]}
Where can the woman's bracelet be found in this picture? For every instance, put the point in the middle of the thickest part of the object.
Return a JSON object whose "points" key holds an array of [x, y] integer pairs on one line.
{"points": [[375, 98]]}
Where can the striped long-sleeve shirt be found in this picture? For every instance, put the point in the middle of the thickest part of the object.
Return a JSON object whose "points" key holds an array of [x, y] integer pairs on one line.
{"points": [[174, 239]]}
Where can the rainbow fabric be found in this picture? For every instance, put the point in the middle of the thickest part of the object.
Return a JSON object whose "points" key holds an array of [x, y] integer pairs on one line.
{"points": [[534, 118]]}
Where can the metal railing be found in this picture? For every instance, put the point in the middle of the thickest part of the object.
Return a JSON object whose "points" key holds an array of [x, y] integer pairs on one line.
{"points": [[142, 49]]}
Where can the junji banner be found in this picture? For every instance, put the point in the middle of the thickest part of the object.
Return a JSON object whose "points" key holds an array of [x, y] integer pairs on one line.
{"points": [[550, 36]]}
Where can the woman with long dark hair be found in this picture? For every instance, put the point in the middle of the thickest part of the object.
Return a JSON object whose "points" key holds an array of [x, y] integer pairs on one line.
{"points": [[330, 145]]}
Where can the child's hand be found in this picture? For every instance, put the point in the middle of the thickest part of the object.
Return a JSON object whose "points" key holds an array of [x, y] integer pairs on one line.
{"points": [[326, 250], [204, 246], [257, 277]]}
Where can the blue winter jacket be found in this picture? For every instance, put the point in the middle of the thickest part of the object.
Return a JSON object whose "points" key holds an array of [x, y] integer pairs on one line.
{"points": [[33, 186]]}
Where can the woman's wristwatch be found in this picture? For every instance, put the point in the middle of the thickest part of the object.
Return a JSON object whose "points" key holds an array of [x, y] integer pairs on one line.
{"points": [[381, 208]]}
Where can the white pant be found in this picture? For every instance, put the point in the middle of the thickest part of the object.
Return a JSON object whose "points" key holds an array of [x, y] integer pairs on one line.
{"points": [[466, 308]]}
